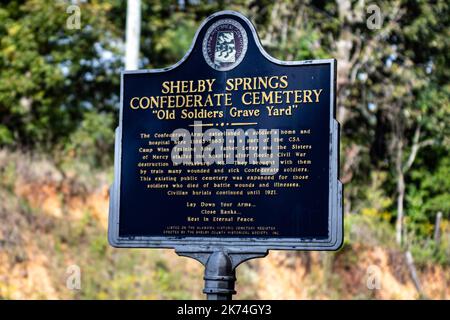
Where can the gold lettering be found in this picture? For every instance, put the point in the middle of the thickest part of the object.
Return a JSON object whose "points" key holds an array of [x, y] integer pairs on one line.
{"points": [[244, 101], [210, 84], [166, 87], [317, 94], [247, 85], [131, 103], [229, 85], [283, 82], [146, 106], [307, 96]]}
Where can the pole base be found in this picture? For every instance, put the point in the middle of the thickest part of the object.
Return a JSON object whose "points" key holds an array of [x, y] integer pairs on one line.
{"points": [[220, 266]]}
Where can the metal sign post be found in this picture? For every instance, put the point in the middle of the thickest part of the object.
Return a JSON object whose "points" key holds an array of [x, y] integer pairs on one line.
{"points": [[227, 154], [220, 270]]}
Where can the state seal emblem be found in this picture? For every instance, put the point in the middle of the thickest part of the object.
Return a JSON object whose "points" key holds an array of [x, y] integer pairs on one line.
{"points": [[225, 44]]}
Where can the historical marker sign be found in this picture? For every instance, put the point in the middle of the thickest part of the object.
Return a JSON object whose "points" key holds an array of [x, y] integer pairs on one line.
{"points": [[229, 148]]}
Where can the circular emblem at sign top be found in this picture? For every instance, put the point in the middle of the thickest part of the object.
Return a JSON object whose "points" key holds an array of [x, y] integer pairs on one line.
{"points": [[225, 44]]}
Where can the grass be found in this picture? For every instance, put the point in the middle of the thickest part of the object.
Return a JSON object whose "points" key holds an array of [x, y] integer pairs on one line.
{"points": [[27, 232]]}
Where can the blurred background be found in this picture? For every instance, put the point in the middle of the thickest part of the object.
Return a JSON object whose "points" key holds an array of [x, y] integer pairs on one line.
{"points": [[60, 64]]}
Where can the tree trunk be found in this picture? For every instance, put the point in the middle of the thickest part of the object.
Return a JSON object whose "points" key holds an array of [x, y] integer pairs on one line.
{"points": [[413, 272], [400, 214], [437, 228], [400, 193]]}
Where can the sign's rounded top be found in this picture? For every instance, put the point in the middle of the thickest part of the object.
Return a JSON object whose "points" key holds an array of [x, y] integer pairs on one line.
{"points": [[224, 40]]}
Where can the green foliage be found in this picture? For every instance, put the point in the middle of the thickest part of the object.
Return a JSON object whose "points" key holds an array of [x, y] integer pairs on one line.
{"points": [[182, 32], [6, 137], [374, 200], [8, 176], [427, 252], [368, 230], [99, 246], [59, 93], [93, 140], [427, 195], [54, 74]]}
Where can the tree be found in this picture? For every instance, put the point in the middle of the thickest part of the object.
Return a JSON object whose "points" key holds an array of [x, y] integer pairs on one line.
{"points": [[52, 74]]}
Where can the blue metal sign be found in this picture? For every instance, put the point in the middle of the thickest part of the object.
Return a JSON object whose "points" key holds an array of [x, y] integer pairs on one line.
{"points": [[229, 148]]}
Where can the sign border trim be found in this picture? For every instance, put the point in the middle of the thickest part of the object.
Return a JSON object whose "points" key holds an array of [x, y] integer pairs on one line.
{"points": [[235, 244]]}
